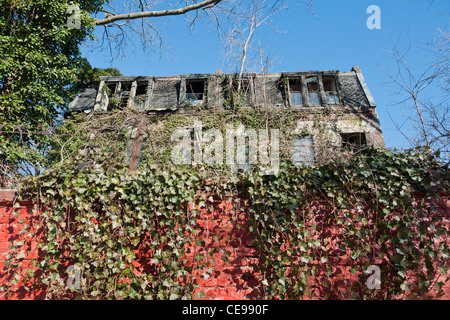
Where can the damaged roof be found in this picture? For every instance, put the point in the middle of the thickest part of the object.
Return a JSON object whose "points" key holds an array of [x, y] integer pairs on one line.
{"points": [[171, 93]]}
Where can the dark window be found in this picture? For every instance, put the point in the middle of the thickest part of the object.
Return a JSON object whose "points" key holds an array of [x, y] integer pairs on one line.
{"points": [[242, 94], [112, 87], [124, 94], [195, 91], [295, 92], [141, 95], [353, 140], [244, 85]]}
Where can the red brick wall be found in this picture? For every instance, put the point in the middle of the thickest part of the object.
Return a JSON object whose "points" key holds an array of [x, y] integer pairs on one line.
{"points": [[236, 278]]}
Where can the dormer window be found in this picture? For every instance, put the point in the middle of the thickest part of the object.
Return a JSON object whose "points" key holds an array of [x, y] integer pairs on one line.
{"points": [[242, 91], [195, 92], [312, 84], [295, 92], [329, 86]]}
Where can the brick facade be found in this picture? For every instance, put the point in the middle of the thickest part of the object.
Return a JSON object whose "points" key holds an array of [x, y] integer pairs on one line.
{"points": [[236, 278]]}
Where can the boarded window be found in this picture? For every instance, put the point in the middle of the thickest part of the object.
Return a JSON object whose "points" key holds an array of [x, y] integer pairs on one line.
{"points": [[165, 94], [295, 92], [302, 152], [312, 84]]}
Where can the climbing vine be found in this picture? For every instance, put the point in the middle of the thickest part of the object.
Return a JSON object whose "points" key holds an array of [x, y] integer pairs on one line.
{"points": [[317, 229], [363, 208]]}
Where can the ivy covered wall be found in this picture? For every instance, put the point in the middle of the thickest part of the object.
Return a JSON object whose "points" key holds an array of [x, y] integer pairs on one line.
{"points": [[310, 232]]}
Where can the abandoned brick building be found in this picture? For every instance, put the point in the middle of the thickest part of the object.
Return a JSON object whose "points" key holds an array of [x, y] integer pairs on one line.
{"points": [[339, 106]]}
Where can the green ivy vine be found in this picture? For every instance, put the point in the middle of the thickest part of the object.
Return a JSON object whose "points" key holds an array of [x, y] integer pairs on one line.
{"points": [[371, 202], [372, 207]]}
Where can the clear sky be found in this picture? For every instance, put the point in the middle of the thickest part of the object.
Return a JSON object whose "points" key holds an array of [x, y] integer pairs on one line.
{"points": [[333, 37]]}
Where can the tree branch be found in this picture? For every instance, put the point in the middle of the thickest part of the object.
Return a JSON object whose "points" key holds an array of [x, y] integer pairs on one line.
{"points": [[148, 14]]}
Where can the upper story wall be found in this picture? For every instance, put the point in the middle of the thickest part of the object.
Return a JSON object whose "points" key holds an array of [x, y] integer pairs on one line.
{"points": [[302, 89], [351, 109]]}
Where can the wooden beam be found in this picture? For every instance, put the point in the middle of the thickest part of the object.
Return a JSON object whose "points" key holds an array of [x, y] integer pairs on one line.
{"points": [[139, 139]]}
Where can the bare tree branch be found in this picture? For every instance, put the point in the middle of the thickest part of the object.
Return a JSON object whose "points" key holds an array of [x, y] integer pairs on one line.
{"points": [[426, 94], [147, 14]]}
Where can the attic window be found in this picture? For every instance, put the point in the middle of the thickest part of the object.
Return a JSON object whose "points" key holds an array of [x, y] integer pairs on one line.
{"points": [[112, 87], [312, 84], [124, 94], [195, 92], [140, 95], [242, 91], [353, 140], [329, 86], [244, 86], [295, 92]]}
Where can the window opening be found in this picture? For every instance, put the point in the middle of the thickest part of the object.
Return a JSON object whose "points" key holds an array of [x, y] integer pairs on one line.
{"points": [[195, 91], [295, 92], [241, 92], [312, 84], [353, 140], [141, 95], [124, 94], [329, 86]]}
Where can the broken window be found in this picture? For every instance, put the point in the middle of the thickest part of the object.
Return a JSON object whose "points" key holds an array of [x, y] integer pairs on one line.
{"points": [[353, 140], [111, 87], [329, 86], [111, 97], [295, 92], [312, 84], [302, 151], [242, 94], [241, 86], [140, 95], [195, 92], [124, 94]]}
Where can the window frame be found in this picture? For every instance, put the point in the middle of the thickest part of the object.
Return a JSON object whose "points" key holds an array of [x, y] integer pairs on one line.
{"points": [[300, 80], [196, 102], [336, 96]]}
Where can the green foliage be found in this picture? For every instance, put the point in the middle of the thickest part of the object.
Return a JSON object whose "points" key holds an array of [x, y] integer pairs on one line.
{"points": [[109, 133], [40, 56], [364, 208], [98, 221], [370, 201], [86, 74]]}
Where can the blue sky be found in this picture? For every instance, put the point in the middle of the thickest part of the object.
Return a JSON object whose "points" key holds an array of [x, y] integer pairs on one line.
{"points": [[334, 36]]}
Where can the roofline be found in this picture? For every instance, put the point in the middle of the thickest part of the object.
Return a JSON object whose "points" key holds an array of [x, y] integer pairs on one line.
{"points": [[364, 86], [206, 75]]}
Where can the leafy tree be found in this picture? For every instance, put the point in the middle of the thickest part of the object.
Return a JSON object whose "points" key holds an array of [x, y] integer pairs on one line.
{"points": [[87, 74], [39, 46], [40, 56]]}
